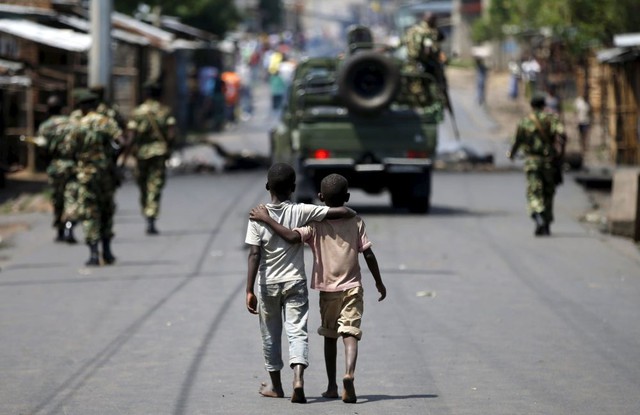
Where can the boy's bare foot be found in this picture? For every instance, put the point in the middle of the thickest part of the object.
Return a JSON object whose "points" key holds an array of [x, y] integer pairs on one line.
{"points": [[298, 393], [349, 391], [331, 393], [268, 391]]}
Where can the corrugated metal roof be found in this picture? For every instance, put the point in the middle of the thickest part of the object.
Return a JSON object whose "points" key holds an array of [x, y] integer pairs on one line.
{"points": [[85, 26], [627, 40], [618, 55], [173, 23], [58, 38], [25, 10], [157, 37], [188, 44]]}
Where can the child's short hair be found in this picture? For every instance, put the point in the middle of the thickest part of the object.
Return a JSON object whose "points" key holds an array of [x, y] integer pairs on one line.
{"points": [[281, 178], [334, 188]]}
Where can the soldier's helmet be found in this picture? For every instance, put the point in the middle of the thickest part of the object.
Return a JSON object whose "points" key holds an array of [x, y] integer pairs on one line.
{"points": [[84, 96], [538, 101], [359, 37]]}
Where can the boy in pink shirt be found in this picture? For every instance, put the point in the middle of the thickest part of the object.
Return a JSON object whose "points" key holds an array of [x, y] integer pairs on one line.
{"points": [[336, 244]]}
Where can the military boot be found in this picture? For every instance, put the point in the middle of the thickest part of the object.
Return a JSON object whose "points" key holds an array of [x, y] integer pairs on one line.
{"points": [[94, 255], [151, 226], [107, 255], [540, 224], [68, 232]]}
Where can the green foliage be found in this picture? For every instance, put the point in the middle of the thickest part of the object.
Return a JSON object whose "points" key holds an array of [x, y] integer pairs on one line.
{"points": [[481, 31], [215, 16], [580, 24]]}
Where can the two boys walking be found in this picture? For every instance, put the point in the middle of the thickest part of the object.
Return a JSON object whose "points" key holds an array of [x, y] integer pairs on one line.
{"points": [[276, 260]]}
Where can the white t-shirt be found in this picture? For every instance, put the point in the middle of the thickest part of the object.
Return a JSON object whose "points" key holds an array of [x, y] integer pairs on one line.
{"points": [[281, 261], [582, 111]]}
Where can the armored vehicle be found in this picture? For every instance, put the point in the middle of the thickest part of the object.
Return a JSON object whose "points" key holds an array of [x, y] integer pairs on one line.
{"points": [[364, 114]]}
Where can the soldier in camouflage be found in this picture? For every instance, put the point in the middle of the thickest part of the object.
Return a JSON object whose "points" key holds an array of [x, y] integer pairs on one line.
{"points": [[61, 169], [423, 44], [541, 137], [151, 130], [95, 149], [422, 41]]}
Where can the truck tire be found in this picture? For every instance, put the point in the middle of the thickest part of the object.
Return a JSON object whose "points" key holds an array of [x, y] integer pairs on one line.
{"points": [[412, 191], [420, 204], [367, 82], [399, 198]]}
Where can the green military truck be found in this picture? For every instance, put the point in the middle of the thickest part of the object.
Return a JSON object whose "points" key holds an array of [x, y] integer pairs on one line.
{"points": [[365, 115]]}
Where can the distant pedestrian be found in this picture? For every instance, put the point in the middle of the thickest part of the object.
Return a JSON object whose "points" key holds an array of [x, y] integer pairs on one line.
{"points": [[151, 137], [552, 102], [530, 72], [515, 73], [481, 79], [246, 91], [286, 69], [232, 85], [279, 269], [278, 89], [336, 274], [541, 138], [583, 114], [96, 140]]}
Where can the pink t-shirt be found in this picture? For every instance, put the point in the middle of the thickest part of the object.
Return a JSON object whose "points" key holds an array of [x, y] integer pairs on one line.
{"points": [[336, 244]]}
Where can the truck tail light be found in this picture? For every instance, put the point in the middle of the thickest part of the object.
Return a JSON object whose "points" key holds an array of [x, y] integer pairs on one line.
{"points": [[415, 154], [321, 154]]}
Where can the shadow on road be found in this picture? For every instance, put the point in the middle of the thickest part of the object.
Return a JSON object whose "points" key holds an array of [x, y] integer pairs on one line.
{"points": [[375, 398], [362, 399]]}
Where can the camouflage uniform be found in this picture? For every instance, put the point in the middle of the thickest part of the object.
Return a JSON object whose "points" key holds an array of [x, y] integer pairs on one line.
{"points": [[111, 111], [423, 44], [423, 52], [95, 152], [61, 167], [151, 123], [71, 205], [540, 151]]}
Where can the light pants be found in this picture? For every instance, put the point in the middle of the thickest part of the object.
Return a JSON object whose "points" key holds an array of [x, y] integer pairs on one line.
{"points": [[288, 301]]}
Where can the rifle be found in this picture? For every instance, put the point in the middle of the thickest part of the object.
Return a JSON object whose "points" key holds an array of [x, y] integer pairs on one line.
{"points": [[558, 159], [438, 75], [447, 101]]}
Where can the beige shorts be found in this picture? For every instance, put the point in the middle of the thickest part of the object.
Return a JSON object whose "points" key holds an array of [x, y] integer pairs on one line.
{"points": [[341, 313]]}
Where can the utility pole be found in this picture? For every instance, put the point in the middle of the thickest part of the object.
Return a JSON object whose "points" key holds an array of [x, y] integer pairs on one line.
{"points": [[100, 53]]}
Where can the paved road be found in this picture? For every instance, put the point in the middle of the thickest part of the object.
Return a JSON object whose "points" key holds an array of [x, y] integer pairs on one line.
{"points": [[481, 317]]}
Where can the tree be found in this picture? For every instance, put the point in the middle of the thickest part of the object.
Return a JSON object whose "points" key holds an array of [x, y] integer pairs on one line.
{"points": [[581, 24], [215, 16]]}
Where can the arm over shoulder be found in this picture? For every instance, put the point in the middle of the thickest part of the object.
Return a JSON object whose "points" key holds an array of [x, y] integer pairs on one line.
{"points": [[313, 212]]}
